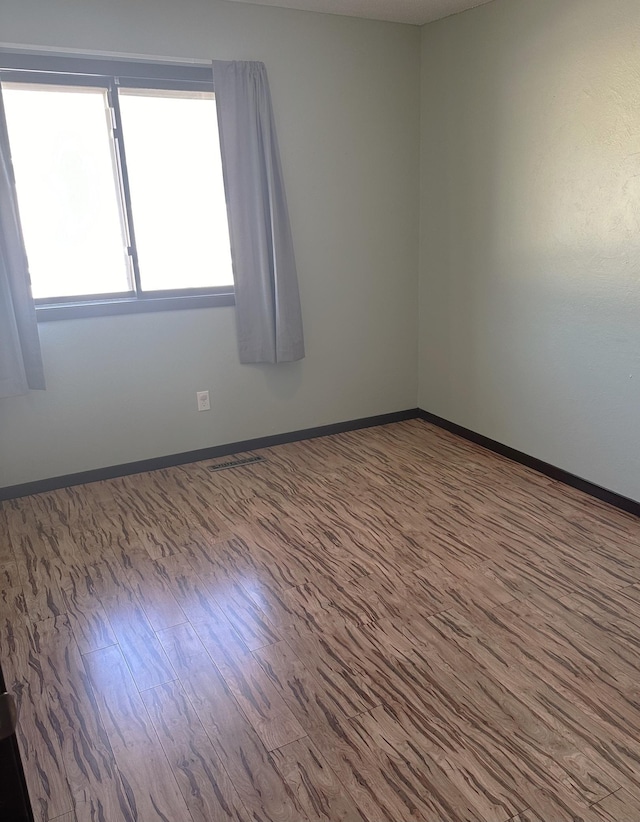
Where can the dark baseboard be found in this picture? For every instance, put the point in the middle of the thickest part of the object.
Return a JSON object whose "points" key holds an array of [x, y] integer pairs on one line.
{"points": [[112, 471], [603, 494]]}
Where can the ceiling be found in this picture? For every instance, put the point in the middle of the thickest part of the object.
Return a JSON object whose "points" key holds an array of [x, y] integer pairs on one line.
{"points": [[416, 12]]}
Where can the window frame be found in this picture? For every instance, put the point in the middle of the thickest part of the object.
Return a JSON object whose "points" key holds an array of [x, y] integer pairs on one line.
{"points": [[112, 74]]}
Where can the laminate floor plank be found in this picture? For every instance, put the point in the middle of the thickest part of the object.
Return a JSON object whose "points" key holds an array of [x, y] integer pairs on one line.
{"points": [[518, 627], [401, 596], [378, 800], [457, 582], [389, 624], [539, 726], [381, 789], [604, 727], [151, 585], [355, 548], [9, 575], [605, 610], [145, 657], [605, 640], [94, 779], [496, 686], [205, 785], [253, 690], [188, 509], [138, 641], [6, 551], [85, 611], [492, 790], [228, 592], [149, 784], [620, 806], [272, 559], [40, 576], [246, 760], [284, 607], [194, 598], [416, 683], [19, 518], [331, 656], [37, 736], [61, 508], [483, 741], [325, 598], [559, 809], [314, 784]]}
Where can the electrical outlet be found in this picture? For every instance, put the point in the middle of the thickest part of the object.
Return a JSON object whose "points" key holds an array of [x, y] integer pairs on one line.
{"points": [[203, 401]]}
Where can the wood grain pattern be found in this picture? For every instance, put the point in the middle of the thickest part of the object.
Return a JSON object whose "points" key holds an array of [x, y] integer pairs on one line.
{"points": [[138, 641], [243, 755], [85, 611], [619, 807], [382, 788], [205, 785], [149, 784], [332, 655], [377, 796], [210, 564], [253, 690], [94, 779], [315, 785], [38, 740], [40, 576], [152, 586], [390, 625]]}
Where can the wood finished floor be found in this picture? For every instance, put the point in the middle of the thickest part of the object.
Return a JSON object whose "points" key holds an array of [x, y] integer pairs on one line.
{"points": [[385, 625]]}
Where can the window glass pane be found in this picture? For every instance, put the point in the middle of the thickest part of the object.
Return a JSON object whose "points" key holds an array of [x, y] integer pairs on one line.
{"points": [[177, 193], [67, 189]]}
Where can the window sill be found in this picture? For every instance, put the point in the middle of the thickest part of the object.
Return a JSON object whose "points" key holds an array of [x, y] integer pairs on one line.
{"points": [[105, 308]]}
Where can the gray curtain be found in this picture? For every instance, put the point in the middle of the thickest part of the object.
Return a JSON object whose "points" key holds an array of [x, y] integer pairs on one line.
{"points": [[268, 316], [20, 358]]}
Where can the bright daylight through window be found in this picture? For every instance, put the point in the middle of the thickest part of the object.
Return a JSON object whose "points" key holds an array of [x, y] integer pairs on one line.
{"points": [[119, 187]]}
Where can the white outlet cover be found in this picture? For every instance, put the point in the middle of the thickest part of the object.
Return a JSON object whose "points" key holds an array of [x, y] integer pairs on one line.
{"points": [[203, 401]]}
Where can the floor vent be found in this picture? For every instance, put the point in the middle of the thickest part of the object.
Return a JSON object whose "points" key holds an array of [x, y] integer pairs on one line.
{"points": [[239, 463]]}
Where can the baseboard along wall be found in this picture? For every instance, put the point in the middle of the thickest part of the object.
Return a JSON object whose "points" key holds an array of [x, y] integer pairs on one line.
{"points": [[110, 472]]}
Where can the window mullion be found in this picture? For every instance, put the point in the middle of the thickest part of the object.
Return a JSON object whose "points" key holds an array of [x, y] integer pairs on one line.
{"points": [[123, 181]]}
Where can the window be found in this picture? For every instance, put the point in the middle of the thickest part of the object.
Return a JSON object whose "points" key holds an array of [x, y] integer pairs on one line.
{"points": [[119, 183]]}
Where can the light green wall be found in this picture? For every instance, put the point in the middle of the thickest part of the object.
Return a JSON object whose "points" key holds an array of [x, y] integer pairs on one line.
{"points": [[530, 230], [528, 238], [346, 100]]}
